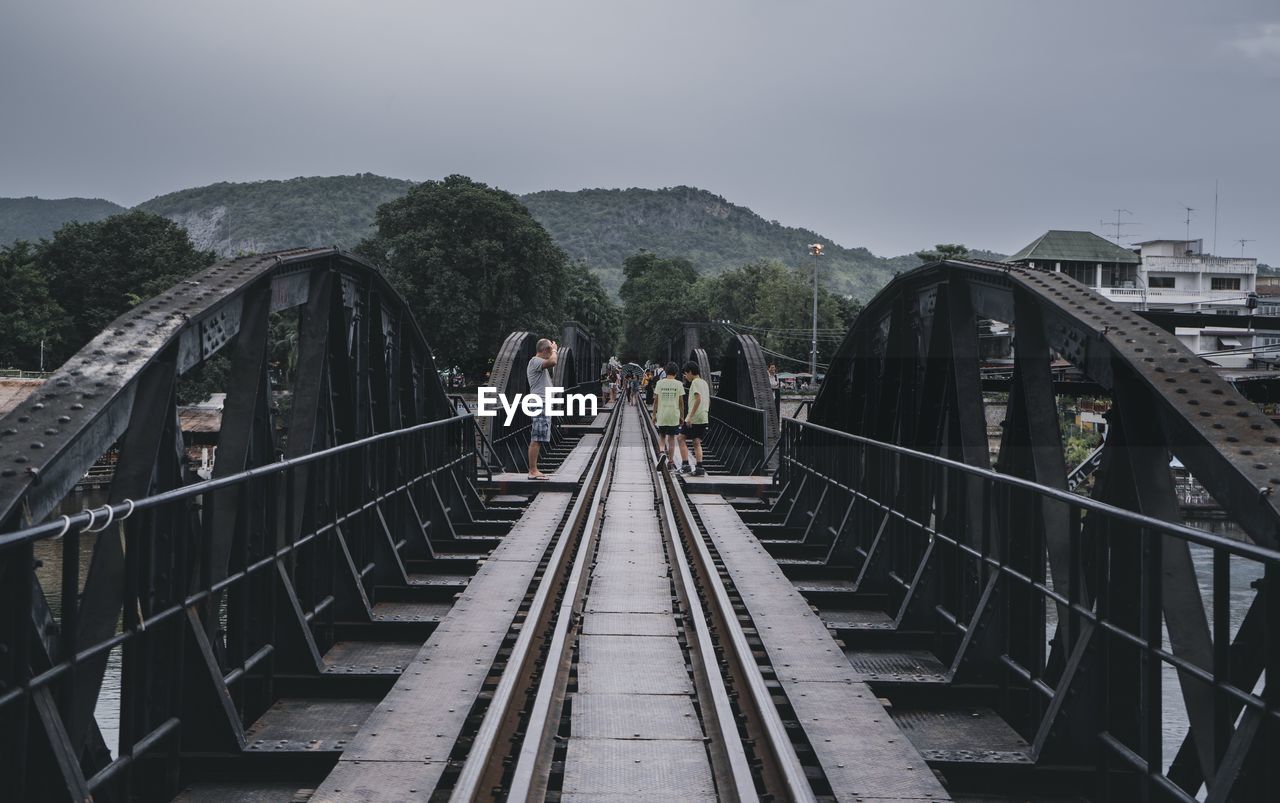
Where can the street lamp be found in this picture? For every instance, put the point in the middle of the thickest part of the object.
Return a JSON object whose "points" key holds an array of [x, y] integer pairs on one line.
{"points": [[815, 250]]}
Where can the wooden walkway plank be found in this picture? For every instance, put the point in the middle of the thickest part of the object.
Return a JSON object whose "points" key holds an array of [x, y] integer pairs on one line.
{"points": [[402, 749], [863, 753]]}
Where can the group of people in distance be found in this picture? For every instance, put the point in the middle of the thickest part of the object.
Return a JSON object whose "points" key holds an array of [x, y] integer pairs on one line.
{"points": [[680, 410]]}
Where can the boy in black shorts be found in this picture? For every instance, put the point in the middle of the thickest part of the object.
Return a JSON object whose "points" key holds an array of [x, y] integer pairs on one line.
{"points": [[668, 409], [697, 418]]}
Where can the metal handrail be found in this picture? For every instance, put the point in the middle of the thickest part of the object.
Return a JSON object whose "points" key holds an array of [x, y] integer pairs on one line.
{"points": [[1241, 548], [85, 518]]}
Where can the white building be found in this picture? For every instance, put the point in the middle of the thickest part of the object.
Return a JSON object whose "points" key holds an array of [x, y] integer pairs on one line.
{"points": [[1163, 276], [1177, 276]]}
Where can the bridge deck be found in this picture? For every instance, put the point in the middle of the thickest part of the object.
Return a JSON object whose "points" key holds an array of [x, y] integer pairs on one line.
{"points": [[634, 729], [862, 751], [635, 726], [565, 477], [403, 747]]}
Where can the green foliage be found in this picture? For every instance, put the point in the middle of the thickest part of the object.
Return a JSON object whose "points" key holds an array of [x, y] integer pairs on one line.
{"points": [[659, 295], [1078, 447], [943, 251], [101, 269], [207, 378], [775, 303], [37, 218], [1078, 443], [28, 311], [588, 303], [474, 266], [605, 227], [252, 217]]}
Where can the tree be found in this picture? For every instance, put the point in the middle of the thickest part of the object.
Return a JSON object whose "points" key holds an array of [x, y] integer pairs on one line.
{"points": [[28, 312], [775, 303], [102, 269], [473, 265], [659, 296], [943, 251], [587, 302]]}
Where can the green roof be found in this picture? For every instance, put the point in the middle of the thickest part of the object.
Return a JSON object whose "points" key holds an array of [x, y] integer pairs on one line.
{"points": [[1074, 246]]}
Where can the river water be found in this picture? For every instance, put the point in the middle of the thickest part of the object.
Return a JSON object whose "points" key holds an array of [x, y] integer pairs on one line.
{"points": [[49, 554]]}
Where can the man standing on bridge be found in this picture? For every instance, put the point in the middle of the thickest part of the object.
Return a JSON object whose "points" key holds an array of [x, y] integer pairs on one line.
{"points": [[538, 373]]}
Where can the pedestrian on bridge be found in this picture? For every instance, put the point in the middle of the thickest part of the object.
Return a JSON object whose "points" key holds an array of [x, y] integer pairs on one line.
{"points": [[668, 409], [538, 372], [697, 419]]}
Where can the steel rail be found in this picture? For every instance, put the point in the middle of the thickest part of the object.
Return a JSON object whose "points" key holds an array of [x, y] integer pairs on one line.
{"points": [[729, 757], [782, 764], [533, 762], [477, 778]]}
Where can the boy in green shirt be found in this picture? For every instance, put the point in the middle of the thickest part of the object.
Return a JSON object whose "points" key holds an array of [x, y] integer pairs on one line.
{"points": [[697, 419], [668, 409]]}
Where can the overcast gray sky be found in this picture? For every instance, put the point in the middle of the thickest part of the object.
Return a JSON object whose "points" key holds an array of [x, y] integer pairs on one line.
{"points": [[892, 124]]}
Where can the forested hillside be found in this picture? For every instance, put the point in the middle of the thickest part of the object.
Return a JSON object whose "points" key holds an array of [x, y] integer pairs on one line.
{"points": [[270, 215], [35, 219], [600, 227], [604, 227]]}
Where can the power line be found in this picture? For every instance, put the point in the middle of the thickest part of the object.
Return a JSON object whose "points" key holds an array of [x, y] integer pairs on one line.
{"points": [[779, 354]]}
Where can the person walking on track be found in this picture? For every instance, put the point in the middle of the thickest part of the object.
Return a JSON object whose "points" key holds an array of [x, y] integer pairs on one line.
{"points": [[697, 418], [668, 409], [538, 372]]}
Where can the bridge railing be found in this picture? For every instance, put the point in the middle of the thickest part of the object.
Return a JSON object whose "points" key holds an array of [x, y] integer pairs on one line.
{"points": [[737, 435], [227, 584], [1064, 614]]}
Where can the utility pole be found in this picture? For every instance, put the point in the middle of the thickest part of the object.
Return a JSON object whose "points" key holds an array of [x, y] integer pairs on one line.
{"points": [[815, 250]]}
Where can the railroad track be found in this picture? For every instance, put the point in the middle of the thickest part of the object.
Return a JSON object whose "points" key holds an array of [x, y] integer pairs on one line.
{"points": [[634, 673]]}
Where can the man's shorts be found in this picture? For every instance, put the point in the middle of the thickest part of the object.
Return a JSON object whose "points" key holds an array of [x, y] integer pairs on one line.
{"points": [[671, 430], [541, 428], [695, 432]]}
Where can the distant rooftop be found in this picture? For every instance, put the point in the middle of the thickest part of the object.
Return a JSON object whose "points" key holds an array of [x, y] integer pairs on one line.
{"points": [[1074, 246]]}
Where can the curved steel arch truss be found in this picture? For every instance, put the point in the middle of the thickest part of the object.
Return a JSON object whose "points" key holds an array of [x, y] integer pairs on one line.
{"points": [[908, 374], [261, 564], [577, 366], [364, 367], [509, 378]]}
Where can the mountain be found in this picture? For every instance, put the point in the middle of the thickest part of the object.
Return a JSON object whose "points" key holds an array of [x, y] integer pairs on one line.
{"points": [[37, 218], [604, 227], [272, 215]]}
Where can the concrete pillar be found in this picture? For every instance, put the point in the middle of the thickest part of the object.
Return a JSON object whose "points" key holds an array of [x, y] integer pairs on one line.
{"points": [[1097, 273]]}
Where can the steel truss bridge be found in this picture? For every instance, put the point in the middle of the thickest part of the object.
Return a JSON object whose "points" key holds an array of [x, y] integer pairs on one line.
{"points": [[370, 601]]}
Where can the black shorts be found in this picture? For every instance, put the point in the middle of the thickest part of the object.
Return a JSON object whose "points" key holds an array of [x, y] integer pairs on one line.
{"points": [[671, 430], [695, 432]]}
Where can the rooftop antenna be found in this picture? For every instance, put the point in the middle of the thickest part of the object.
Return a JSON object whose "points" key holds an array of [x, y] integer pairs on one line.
{"points": [[1215, 216], [1187, 242], [1242, 241], [1119, 224]]}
